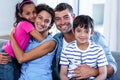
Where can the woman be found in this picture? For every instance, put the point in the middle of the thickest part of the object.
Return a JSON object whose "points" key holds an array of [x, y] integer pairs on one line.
{"points": [[36, 63]]}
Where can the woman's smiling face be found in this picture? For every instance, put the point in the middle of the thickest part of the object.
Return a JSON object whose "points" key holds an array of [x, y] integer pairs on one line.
{"points": [[42, 21]]}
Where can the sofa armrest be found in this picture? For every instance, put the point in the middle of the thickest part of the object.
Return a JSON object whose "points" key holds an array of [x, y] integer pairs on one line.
{"points": [[2, 41], [116, 55]]}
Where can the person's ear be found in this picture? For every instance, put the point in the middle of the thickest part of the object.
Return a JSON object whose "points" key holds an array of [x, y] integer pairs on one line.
{"points": [[49, 27], [92, 33], [73, 16], [20, 14]]}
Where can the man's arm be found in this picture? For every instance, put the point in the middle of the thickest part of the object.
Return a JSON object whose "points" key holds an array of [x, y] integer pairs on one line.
{"points": [[99, 39]]}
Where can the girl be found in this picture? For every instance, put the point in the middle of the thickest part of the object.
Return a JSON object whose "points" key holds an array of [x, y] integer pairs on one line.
{"points": [[24, 28]]}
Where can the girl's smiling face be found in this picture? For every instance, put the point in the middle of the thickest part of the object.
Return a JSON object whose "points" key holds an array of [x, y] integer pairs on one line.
{"points": [[28, 12]]}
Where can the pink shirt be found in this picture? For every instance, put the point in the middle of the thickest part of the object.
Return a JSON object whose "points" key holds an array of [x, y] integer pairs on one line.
{"points": [[21, 35]]}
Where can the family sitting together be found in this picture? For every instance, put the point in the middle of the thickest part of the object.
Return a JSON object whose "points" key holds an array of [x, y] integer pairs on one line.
{"points": [[76, 53]]}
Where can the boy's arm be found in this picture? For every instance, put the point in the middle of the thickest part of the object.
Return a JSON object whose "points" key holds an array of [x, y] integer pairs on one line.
{"points": [[35, 34], [102, 73], [63, 73]]}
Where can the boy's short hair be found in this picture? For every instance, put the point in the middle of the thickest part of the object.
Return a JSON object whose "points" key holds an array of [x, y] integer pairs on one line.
{"points": [[83, 21]]}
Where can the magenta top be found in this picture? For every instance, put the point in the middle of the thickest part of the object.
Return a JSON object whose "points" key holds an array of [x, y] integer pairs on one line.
{"points": [[22, 36]]}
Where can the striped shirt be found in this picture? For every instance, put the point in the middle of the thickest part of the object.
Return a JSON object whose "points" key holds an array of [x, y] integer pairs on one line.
{"points": [[72, 56]]}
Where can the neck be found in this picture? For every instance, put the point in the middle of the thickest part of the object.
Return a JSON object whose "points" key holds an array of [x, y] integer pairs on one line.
{"points": [[44, 34], [83, 46], [69, 36]]}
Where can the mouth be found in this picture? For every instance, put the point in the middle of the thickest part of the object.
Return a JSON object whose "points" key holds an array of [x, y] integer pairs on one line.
{"points": [[63, 27]]}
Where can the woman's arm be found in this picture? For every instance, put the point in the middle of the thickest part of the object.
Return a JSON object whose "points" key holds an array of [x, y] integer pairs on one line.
{"points": [[34, 53]]}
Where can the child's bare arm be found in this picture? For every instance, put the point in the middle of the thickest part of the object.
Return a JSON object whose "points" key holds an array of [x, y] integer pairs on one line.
{"points": [[63, 73], [35, 34], [102, 73]]}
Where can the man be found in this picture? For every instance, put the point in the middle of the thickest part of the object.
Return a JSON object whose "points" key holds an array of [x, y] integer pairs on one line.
{"points": [[64, 17]]}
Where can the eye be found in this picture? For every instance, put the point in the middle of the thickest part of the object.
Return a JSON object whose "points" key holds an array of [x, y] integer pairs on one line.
{"points": [[78, 30], [34, 12], [47, 21], [28, 13], [86, 31], [39, 17], [57, 19], [66, 17]]}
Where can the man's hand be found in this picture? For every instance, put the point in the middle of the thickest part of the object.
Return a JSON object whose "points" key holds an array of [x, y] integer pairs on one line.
{"points": [[84, 71], [4, 59]]}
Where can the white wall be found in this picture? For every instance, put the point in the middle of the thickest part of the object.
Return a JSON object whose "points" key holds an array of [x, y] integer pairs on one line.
{"points": [[112, 25], [118, 26], [7, 11], [7, 8]]}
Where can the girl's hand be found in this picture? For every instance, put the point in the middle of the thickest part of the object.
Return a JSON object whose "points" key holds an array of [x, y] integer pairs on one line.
{"points": [[4, 58]]}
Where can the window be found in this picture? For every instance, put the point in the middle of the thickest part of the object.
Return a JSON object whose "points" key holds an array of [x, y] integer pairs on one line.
{"points": [[95, 9]]}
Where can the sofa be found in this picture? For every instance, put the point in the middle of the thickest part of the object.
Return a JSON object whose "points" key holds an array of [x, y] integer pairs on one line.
{"points": [[116, 55]]}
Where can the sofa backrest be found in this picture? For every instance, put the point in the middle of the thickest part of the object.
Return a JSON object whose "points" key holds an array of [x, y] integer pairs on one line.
{"points": [[2, 41], [116, 55]]}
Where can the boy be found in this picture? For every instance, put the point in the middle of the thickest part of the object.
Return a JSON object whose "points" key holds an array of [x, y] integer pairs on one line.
{"points": [[82, 51]]}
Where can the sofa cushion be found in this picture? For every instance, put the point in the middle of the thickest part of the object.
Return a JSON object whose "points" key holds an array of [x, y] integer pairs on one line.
{"points": [[116, 55], [2, 41]]}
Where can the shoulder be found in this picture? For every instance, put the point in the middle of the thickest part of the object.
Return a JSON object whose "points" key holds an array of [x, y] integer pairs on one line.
{"points": [[97, 37], [58, 36], [25, 23], [95, 46], [50, 37], [71, 45]]}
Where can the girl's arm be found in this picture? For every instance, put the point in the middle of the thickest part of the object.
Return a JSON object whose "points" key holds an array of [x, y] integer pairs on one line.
{"points": [[34, 53], [35, 34], [63, 73], [102, 73]]}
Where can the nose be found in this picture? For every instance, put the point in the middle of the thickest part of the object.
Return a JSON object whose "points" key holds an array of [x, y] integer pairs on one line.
{"points": [[33, 15], [82, 34], [62, 21], [42, 22]]}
